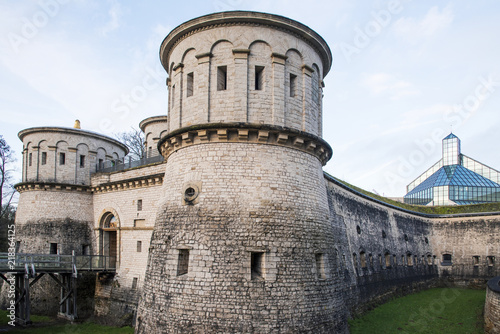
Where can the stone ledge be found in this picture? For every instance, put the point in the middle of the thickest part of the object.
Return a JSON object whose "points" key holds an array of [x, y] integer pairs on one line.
{"points": [[247, 133], [133, 183], [30, 186]]}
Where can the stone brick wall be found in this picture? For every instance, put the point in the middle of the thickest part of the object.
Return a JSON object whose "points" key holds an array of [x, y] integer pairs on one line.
{"points": [[474, 246], [492, 307], [253, 199], [119, 193], [381, 252]]}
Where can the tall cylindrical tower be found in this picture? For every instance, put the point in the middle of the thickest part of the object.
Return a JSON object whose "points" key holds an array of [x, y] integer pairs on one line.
{"points": [[243, 241], [55, 210]]}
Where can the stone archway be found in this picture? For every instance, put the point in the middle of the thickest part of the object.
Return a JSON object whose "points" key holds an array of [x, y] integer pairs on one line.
{"points": [[109, 226]]}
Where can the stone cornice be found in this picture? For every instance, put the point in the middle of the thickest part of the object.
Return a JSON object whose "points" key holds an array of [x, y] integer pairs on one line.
{"points": [[248, 133], [132, 183], [232, 18], [52, 186]]}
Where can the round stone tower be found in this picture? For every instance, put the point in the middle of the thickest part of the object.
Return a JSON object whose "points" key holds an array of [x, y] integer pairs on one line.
{"points": [[153, 128], [242, 242], [55, 211]]}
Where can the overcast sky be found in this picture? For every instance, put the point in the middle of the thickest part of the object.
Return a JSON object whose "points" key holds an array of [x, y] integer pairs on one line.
{"points": [[404, 73]]}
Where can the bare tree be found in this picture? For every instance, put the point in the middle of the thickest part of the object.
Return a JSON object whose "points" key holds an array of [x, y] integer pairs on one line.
{"points": [[7, 190], [134, 140]]}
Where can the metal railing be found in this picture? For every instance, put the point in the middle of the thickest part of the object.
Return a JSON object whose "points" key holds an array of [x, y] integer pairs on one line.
{"points": [[56, 263], [118, 165]]}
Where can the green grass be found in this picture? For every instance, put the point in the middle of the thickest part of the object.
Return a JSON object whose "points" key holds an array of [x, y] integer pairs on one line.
{"points": [[439, 310], [35, 318]]}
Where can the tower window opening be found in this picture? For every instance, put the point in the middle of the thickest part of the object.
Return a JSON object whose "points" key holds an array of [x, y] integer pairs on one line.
{"points": [[446, 260], [30, 156], [293, 85], [257, 265], [362, 259], [259, 77], [139, 246], [53, 248], [44, 158], [62, 158], [475, 261], [82, 161], [85, 249], [173, 96], [183, 262], [139, 205], [387, 260], [409, 259], [134, 283], [490, 260], [320, 265], [221, 77], [190, 82]]}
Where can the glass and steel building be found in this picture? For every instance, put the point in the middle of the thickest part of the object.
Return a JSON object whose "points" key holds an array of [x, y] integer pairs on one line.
{"points": [[456, 179]]}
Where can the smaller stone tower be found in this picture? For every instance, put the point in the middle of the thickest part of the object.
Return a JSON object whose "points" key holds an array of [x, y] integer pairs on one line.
{"points": [[153, 127], [55, 211]]}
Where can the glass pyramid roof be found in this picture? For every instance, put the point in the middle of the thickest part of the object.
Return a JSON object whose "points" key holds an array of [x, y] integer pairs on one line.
{"points": [[450, 136], [454, 175]]}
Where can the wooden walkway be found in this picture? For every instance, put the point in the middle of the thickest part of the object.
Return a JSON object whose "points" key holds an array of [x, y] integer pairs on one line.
{"points": [[18, 269]]}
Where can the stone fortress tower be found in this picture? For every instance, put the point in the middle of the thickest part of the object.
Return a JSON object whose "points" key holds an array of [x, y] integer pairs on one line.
{"points": [[242, 240], [55, 210]]}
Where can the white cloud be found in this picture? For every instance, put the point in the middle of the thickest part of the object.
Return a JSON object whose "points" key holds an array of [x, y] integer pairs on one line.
{"points": [[433, 22], [114, 18], [386, 84]]}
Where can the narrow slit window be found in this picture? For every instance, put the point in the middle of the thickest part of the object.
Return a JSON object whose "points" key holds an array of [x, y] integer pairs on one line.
{"points": [[221, 77], [30, 159], [134, 283], [53, 248], [362, 259], [173, 96], [387, 260], [139, 246], [190, 82], [183, 262], [293, 85], [259, 77], [82, 161], [139, 205], [62, 158], [44, 158], [409, 260], [257, 265], [320, 265]]}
